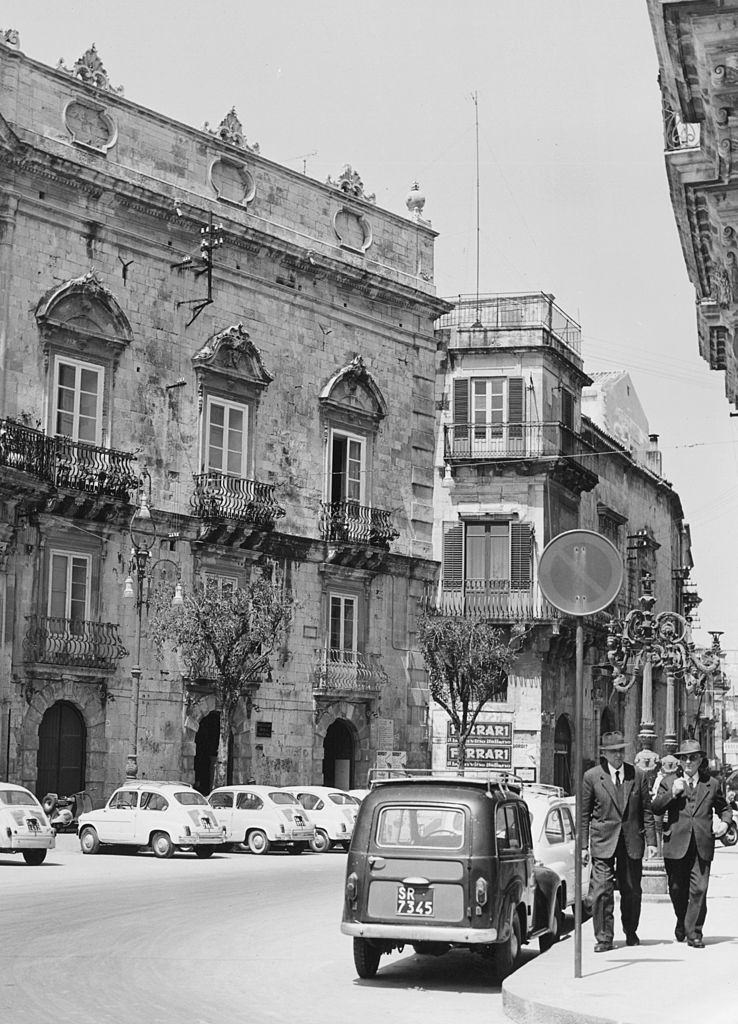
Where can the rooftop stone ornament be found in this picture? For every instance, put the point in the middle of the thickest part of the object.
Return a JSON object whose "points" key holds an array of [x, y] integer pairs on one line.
{"points": [[415, 202], [230, 130], [10, 37], [348, 181], [89, 69]]}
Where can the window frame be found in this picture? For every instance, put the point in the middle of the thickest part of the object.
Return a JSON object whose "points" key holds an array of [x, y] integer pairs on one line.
{"points": [[349, 436], [59, 359], [344, 597], [70, 556], [244, 406]]}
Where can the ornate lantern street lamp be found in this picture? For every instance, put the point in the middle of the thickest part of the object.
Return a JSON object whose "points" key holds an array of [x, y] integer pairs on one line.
{"points": [[137, 585]]}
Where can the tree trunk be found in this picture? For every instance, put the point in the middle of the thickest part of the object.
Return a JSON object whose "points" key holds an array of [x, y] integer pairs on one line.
{"points": [[220, 775], [462, 753]]}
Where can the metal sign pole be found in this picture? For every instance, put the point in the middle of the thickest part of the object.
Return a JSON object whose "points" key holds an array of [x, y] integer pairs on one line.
{"points": [[578, 757]]}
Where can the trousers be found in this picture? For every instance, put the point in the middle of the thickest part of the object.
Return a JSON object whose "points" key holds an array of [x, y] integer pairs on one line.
{"points": [[688, 878], [605, 871]]}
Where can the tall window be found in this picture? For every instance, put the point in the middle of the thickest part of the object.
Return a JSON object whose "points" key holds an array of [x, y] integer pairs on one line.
{"points": [[219, 586], [487, 556], [343, 626], [226, 437], [489, 412], [69, 586], [347, 467], [77, 399]]}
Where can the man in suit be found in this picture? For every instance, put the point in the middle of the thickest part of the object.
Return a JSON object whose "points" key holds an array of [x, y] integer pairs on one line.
{"points": [[689, 842], [616, 816]]}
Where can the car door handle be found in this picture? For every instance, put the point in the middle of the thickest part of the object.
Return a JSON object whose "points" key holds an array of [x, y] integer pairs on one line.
{"points": [[377, 862]]}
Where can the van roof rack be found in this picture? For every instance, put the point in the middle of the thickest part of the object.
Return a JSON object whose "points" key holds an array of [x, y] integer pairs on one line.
{"points": [[544, 789], [503, 779]]}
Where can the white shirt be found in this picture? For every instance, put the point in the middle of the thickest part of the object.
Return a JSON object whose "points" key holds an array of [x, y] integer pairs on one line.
{"points": [[614, 772]]}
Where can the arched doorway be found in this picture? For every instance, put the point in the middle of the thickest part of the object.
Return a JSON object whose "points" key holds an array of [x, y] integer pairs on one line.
{"points": [[562, 754], [62, 751], [206, 753], [338, 755]]}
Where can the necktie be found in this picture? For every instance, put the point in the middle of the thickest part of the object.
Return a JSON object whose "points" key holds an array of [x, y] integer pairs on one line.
{"points": [[617, 778]]}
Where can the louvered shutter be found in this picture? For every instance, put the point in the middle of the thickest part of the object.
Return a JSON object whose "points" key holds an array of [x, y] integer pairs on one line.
{"points": [[521, 550], [515, 406], [452, 569], [461, 409]]}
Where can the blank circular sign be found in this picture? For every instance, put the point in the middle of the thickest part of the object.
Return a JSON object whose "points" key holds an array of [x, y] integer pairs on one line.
{"points": [[580, 572]]}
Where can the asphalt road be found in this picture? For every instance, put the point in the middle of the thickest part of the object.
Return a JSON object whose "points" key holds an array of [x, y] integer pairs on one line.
{"points": [[119, 938]]}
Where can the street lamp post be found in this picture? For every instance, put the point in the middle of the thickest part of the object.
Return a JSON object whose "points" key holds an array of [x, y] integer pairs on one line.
{"points": [[143, 537]]}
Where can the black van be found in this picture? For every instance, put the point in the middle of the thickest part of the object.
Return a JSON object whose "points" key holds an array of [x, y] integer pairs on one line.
{"points": [[442, 862]]}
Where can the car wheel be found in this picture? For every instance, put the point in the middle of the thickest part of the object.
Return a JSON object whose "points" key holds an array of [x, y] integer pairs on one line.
{"points": [[296, 848], [34, 856], [88, 841], [321, 843], [366, 957], [257, 842], [162, 845], [507, 953], [550, 938], [203, 852]]}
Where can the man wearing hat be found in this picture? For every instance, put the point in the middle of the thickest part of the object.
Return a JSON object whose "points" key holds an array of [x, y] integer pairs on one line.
{"points": [[689, 842], [616, 815]]}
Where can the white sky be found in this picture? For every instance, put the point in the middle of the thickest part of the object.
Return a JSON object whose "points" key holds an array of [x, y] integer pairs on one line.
{"points": [[574, 197]]}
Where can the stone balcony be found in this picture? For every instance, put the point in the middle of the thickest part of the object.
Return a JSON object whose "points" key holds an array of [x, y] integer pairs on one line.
{"points": [[231, 506], [493, 601], [348, 673], [75, 643]]}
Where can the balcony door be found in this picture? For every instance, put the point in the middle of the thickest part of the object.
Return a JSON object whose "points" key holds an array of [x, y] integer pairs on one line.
{"points": [[488, 416], [225, 438], [343, 629], [77, 406], [69, 589], [346, 471], [487, 569]]}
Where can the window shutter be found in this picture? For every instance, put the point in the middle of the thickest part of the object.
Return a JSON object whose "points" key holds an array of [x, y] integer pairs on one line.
{"points": [[461, 409], [516, 406], [452, 572], [521, 549]]}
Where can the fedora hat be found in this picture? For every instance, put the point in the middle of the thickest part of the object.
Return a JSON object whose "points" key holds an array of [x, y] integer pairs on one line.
{"points": [[612, 741], [690, 747], [669, 764]]}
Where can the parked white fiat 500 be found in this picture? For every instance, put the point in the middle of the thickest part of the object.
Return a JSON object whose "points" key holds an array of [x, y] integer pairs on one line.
{"points": [[262, 817], [24, 827], [162, 815], [332, 811]]}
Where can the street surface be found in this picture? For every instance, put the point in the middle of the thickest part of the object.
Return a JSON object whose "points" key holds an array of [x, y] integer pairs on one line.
{"points": [[119, 938]]}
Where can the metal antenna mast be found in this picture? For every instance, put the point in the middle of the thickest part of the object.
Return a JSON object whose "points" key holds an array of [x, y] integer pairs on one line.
{"points": [[475, 101]]}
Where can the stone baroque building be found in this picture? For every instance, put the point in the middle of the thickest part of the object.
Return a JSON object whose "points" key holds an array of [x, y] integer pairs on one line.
{"points": [[517, 463], [697, 47], [262, 344]]}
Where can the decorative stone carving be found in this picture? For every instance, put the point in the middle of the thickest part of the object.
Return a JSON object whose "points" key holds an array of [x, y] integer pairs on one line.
{"points": [[415, 201], [230, 130], [10, 37], [353, 388], [232, 181], [348, 181], [724, 282], [726, 74], [352, 230], [232, 354], [90, 125], [89, 69]]}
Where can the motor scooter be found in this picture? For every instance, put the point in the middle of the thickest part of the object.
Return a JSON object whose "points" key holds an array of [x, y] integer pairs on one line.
{"points": [[64, 811]]}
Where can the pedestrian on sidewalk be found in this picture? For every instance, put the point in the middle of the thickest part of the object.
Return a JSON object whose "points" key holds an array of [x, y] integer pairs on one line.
{"points": [[689, 841], [616, 815], [669, 768]]}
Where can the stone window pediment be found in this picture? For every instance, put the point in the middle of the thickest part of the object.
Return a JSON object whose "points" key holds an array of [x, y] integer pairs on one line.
{"points": [[354, 392], [83, 315], [231, 361]]}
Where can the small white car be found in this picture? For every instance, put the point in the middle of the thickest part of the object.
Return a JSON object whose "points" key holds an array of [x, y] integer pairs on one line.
{"points": [[24, 827], [553, 828], [332, 811], [162, 815], [262, 817]]}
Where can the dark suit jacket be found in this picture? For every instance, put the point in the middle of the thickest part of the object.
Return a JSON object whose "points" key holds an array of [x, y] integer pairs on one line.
{"points": [[683, 822], [605, 817]]}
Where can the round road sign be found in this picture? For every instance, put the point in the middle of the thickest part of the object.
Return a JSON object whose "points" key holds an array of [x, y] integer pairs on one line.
{"points": [[580, 572]]}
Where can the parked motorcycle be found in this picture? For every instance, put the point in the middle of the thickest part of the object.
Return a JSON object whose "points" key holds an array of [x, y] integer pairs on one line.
{"points": [[63, 811]]}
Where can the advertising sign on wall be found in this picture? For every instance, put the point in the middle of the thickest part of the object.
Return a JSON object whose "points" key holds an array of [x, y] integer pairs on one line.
{"points": [[489, 745]]}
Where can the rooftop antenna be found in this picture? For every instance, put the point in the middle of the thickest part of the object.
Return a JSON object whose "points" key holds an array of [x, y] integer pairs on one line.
{"points": [[305, 157], [475, 101]]}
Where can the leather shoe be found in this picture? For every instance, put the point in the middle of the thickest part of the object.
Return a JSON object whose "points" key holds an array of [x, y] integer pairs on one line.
{"points": [[631, 939], [696, 943], [679, 934], [603, 947]]}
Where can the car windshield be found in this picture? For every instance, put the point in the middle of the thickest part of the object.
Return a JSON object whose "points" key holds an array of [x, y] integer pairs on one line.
{"points": [[283, 798], [16, 798], [190, 797], [429, 827], [342, 798]]}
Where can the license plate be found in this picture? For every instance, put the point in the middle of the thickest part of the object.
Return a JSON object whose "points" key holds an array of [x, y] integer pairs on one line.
{"points": [[299, 821], [414, 901], [33, 825], [206, 823]]}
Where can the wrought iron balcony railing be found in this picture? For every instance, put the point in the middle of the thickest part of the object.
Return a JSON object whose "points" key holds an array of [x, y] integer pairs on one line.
{"points": [[50, 640], [219, 496], [679, 134], [534, 310], [65, 463], [516, 441], [492, 600], [348, 671], [352, 523]]}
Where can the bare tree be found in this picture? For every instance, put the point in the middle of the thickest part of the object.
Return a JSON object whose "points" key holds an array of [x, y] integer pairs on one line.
{"points": [[228, 637], [467, 661]]}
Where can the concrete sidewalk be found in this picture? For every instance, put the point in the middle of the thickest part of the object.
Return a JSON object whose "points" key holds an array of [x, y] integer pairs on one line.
{"points": [[660, 980]]}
